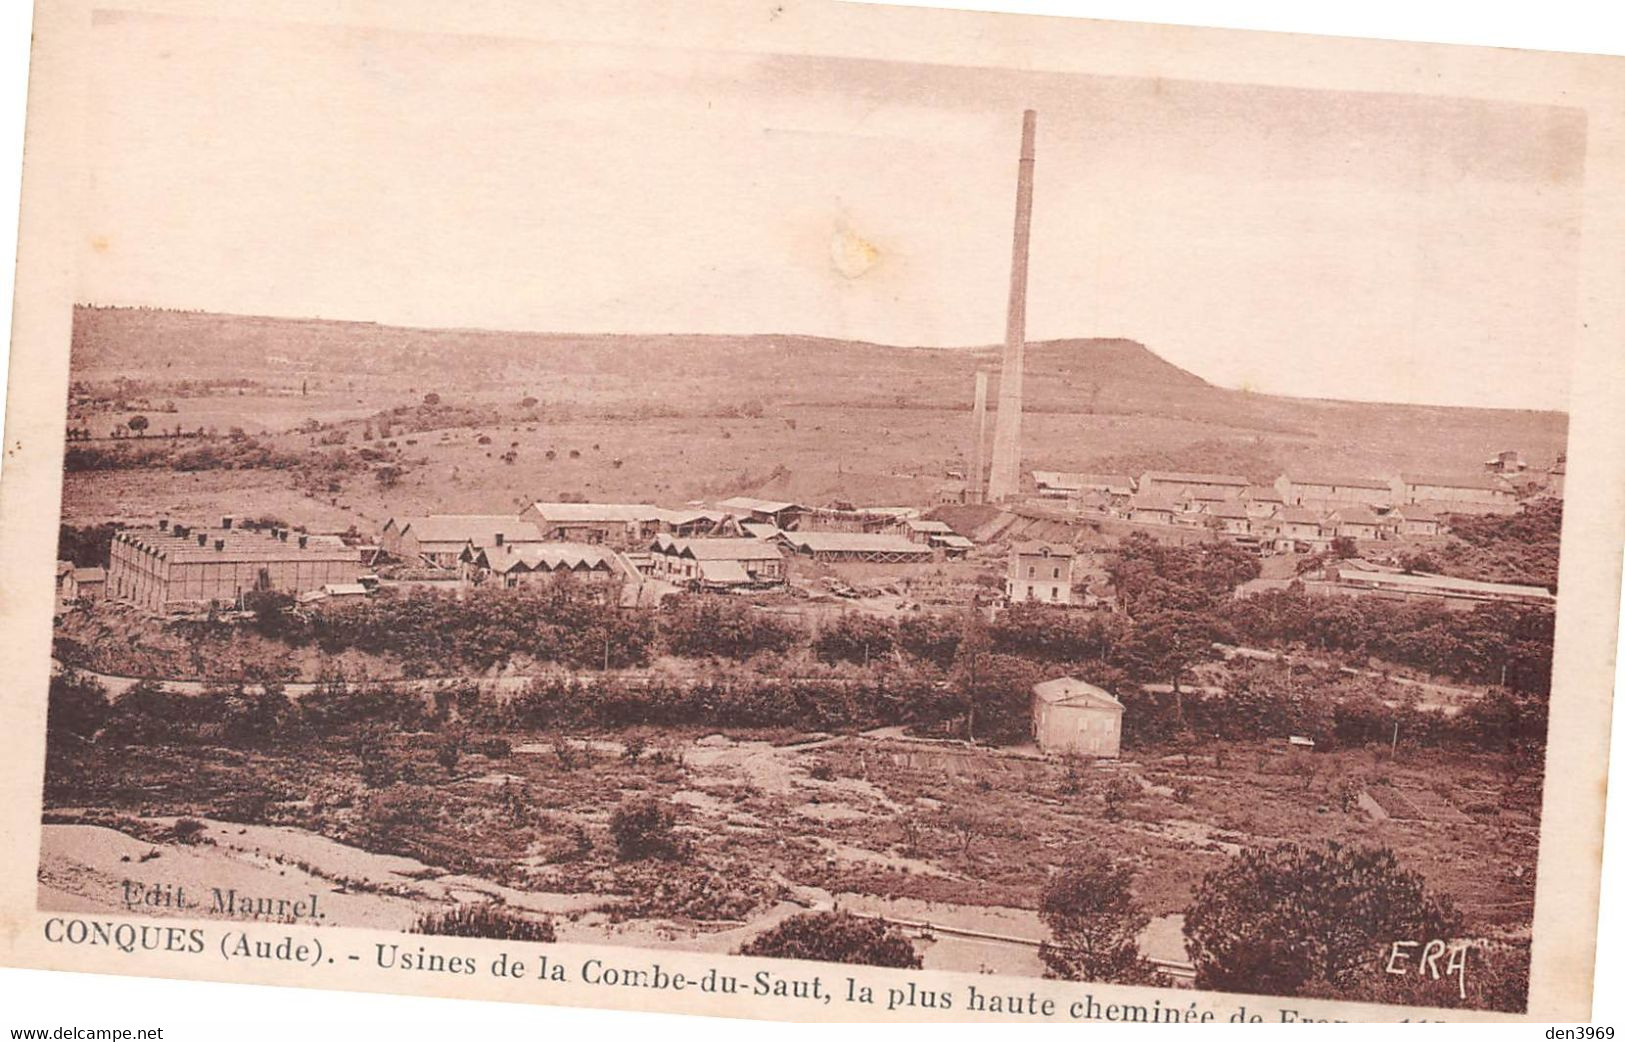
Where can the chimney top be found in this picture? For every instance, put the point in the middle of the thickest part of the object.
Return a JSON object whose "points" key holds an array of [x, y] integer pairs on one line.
{"points": [[203, 539], [163, 524], [219, 544], [303, 540], [225, 523]]}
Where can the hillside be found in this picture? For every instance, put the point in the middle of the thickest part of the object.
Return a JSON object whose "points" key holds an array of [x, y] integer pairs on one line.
{"points": [[679, 417], [151, 341]]}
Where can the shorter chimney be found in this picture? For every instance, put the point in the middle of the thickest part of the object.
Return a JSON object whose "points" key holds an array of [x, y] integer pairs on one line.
{"points": [[219, 545], [499, 538], [304, 541], [283, 535], [163, 524], [225, 523], [203, 539]]}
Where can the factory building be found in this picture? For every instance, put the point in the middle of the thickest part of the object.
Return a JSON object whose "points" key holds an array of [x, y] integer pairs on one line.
{"points": [[437, 540], [1299, 490], [622, 525], [179, 567], [1464, 494]]}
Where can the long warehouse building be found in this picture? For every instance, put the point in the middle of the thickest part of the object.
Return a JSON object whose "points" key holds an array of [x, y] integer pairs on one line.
{"points": [[172, 568]]}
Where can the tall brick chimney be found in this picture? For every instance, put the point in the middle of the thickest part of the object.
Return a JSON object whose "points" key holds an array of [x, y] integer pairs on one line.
{"points": [[1005, 479]]}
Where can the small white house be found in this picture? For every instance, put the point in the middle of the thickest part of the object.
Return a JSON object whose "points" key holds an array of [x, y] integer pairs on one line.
{"points": [[1071, 716]]}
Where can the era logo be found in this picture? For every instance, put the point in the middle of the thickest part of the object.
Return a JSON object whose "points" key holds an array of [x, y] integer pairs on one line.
{"points": [[1427, 961]]}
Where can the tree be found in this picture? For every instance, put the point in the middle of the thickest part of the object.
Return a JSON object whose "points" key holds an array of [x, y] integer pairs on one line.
{"points": [[997, 693], [255, 720], [1494, 975], [1094, 923], [137, 424], [1276, 921], [1166, 644], [836, 937], [76, 706], [1344, 547], [270, 610]]}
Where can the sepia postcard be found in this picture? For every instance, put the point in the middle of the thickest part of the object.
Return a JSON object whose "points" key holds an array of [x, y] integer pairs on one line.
{"points": [[812, 511]]}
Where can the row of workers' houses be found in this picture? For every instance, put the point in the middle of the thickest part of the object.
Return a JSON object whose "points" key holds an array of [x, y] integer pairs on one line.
{"points": [[1156, 491]]}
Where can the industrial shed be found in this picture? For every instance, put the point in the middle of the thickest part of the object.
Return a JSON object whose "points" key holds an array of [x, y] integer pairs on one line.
{"points": [[767, 511], [718, 564], [512, 565], [856, 546]]}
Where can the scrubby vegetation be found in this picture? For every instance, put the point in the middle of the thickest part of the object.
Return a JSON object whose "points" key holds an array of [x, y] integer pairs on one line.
{"points": [[1513, 548], [836, 937], [490, 921], [1492, 644], [643, 830]]}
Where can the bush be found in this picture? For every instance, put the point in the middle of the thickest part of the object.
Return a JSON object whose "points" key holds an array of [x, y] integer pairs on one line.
{"points": [[490, 921], [643, 829], [855, 637], [449, 753], [836, 937], [1118, 793], [188, 831], [700, 627]]}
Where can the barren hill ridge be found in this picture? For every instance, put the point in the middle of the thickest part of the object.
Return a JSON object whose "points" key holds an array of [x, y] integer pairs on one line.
{"points": [[113, 338]]}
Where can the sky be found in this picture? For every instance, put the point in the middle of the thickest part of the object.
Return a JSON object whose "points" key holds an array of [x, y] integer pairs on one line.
{"points": [[1328, 244]]}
